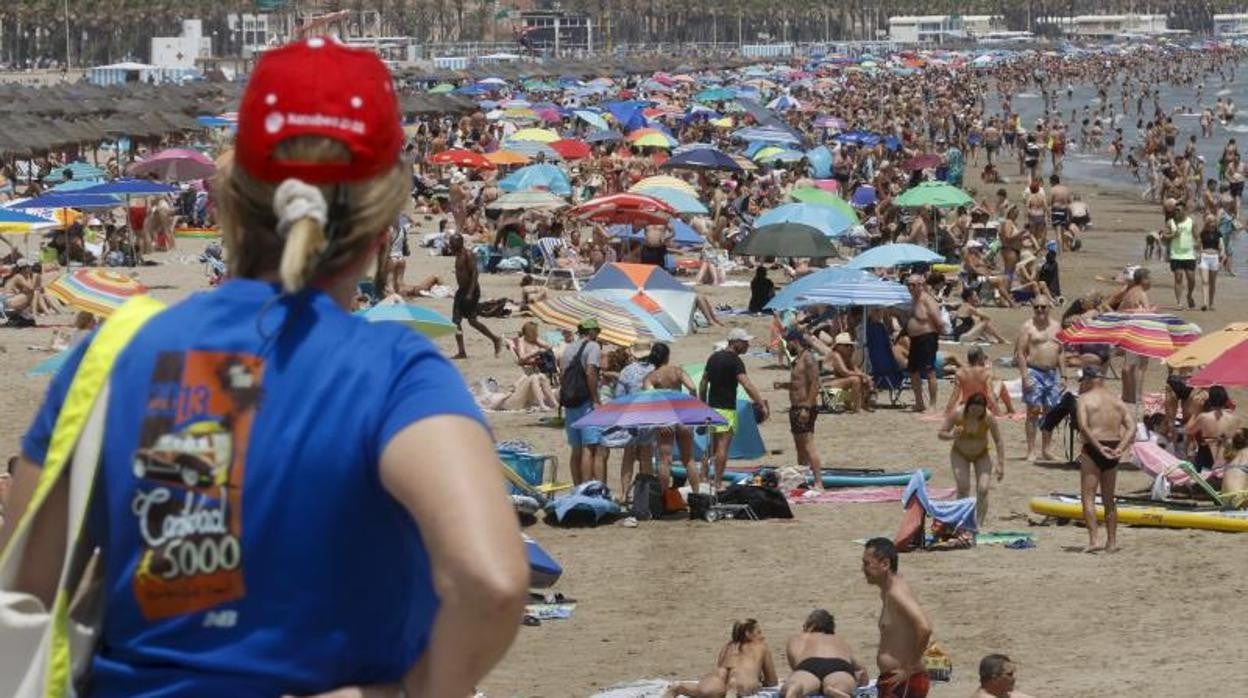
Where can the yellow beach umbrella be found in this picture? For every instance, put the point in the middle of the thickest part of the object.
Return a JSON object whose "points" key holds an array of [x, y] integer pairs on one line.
{"points": [[1208, 347], [664, 182], [507, 157], [652, 140], [541, 135]]}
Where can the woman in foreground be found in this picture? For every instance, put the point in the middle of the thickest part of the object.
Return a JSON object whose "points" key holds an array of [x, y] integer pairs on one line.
{"points": [[271, 504], [744, 666]]}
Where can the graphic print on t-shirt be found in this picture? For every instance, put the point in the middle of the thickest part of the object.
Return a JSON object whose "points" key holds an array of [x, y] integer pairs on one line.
{"points": [[188, 496]]}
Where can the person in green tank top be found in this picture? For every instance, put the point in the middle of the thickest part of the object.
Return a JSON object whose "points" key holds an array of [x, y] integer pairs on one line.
{"points": [[1181, 239]]}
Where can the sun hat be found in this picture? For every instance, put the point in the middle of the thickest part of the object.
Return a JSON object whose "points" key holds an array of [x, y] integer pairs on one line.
{"points": [[588, 324], [843, 338], [319, 87], [738, 334], [641, 349]]}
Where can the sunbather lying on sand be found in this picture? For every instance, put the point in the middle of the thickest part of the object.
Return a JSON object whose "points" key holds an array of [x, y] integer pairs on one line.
{"points": [[744, 665], [823, 664], [528, 391], [1235, 477]]}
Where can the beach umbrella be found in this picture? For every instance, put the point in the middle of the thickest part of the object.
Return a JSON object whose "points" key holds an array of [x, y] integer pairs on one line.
{"points": [[14, 222], [461, 158], [571, 148], [649, 288], [50, 365], [604, 137], [539, 176], [507, 157], [666, 182], [73, 185], [780, 155], [681, 202], [1230, 370], [1209, 347], [131, 187], [819, 197], [767, 134], [1155, 335], [620, 326], [68, 200], [175, 165], [626, 207], [921, 162], [533, 149], [96, 291], [428, 322], [527, 200], [829, 221], [441, 89], [592, 118], [863, 196], [682, 234], [936, 194], [709, 158], [652, 408], [653, 140], [786, 240], [893, 255], [715, 94], [541, 135], [841, 286]]}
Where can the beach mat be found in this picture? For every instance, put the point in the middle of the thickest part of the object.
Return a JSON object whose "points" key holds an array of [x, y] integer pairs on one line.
{"points": [[653, 688], [861, 495], [1009, 539], [549, 611]]}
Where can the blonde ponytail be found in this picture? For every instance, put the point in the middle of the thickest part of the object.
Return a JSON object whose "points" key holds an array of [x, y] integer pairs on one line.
{"points": [[304, 244]]}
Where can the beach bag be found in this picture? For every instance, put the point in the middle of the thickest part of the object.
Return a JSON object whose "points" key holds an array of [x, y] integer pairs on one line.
{"points": [[647, 497], [672, 501], [573, 383], [45, 653], [765, 502]]}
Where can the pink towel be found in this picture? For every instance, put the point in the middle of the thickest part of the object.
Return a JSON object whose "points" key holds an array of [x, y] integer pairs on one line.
{"points": [[1155, 460], [862, 495]]}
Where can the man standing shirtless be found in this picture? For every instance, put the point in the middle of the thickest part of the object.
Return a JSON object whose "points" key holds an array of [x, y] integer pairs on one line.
{"points": [[923, 329], [1040, 363], [904, 627], [1059, 207], [804, 404], [468, 297], [1108, 430]]}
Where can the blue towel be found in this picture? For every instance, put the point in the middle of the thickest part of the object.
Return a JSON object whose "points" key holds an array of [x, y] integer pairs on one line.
{"points": [[958, 514]]}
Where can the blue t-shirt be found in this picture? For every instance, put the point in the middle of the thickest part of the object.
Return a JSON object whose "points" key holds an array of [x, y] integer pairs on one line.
{"points": [[250, 548]]}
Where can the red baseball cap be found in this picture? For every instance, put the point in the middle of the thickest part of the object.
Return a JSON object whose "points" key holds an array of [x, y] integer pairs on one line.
{"points": [[319, 87]]}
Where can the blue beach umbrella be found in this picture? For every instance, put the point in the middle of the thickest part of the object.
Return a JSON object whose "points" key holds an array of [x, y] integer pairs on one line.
{"points": [[894, 255], [423, 320], [540, 176], [829, 221]]}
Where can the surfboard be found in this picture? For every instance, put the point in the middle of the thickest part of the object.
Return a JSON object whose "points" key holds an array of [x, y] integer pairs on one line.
{"points": [[1146, 515], [831, 477], [543, 570]]}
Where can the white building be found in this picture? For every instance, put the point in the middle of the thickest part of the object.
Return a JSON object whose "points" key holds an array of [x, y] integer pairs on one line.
{"points": [[1230, 25], [1114, 26], [978, 25], [923, 29], [253, 32], [180, 52]]}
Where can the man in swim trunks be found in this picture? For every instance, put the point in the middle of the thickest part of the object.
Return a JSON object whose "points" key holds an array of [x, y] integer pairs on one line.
{"points": [[804, 402], [905, 629], [1040, 362], [1108, 429], [923, 329], [1059, 205], [822, 663]]}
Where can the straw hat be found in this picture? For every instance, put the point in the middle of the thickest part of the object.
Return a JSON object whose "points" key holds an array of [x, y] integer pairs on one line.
{"points": [[843, 339], [641, 349], [1027, 257]]}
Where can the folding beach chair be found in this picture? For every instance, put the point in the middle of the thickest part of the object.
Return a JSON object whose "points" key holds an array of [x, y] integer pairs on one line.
{"points": [[882, 365], [549, 247]]}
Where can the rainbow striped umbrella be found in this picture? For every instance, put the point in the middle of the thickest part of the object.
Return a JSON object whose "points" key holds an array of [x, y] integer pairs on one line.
{"points": [[619, 326], [96, 291], [1155, 335], [652, 408]]}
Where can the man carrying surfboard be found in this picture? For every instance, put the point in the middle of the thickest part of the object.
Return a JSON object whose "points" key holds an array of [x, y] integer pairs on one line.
{"points": [[905, 629], [1108, 429]]}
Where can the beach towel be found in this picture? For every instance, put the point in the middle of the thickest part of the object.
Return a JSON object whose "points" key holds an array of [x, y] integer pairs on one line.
{"points": [[1009, 539], [861, 495], [1158, 462], [653, 688], [550, 611]]}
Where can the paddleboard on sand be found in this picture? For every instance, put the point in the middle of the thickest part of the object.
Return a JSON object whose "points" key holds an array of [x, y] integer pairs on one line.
{"points": [[1064, 507], [831, 478]]}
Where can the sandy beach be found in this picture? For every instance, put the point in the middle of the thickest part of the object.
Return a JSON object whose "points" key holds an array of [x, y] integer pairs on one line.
{"points": [[657, 601]]}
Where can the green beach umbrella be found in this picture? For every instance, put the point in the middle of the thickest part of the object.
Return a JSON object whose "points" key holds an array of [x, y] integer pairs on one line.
{"points": [[937, 194], [442, 89], [819, 197], [786, 240]]}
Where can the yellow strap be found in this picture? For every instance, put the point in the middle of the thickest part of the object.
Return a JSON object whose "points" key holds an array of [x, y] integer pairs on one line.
{"points": [[88, 380]]}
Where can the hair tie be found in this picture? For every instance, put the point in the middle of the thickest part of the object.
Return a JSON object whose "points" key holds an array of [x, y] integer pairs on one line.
{"points": [[296, 200]]}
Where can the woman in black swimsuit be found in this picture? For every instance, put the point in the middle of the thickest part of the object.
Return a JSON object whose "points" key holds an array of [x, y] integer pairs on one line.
{"points": [[822, 662], [1211, 428]]}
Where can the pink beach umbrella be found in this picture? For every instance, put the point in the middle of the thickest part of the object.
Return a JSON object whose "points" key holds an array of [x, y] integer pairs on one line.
{"points": [[175, 165]]}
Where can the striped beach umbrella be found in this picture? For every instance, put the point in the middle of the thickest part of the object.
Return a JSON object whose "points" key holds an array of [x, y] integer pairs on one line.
{"points": [[652, 408], [14, 222], [649, 289], [619, 326], [665, 181], [97, 291], [425, 321], [625, 207], [1155, 335]]}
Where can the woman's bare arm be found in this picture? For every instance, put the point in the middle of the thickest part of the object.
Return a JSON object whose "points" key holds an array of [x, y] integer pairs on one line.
{"points": [[40, 567]]}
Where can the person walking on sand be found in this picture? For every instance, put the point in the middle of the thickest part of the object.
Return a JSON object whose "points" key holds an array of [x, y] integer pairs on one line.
{"points": [[718, 388], [823, 663], [905, 629], [923, 328], [969, 429], [580, 373], [1178, 234], [744, 665], [1108, 430], [468, 297], [804, 404], [1041, 363], [997, 678]]}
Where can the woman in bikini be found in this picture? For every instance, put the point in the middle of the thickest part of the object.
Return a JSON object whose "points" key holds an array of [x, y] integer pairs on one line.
{"points": [[744, 666], [969, 430], [1235, 477], [1211, 429], [666, 376]]}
